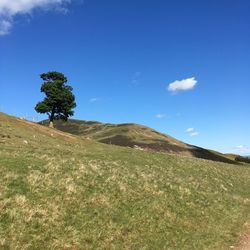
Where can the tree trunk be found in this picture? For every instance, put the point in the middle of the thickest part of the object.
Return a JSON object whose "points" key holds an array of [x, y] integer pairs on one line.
{"points": [[51, 118], [51, 125]]}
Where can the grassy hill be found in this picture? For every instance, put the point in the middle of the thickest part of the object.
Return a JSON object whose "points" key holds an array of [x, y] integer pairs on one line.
{"points": [[134, 135], [60, 191]]}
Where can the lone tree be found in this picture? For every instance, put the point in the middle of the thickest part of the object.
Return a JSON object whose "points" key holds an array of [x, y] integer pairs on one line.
{"points": [[59, 100]]}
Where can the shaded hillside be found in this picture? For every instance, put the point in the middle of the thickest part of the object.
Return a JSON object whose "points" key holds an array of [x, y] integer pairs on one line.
{"points": [[134, 135], [245, 159], [59, 191]]}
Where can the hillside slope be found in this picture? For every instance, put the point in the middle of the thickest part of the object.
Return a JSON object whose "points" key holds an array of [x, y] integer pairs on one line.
{"points": [[59, 191], [134, 135]]}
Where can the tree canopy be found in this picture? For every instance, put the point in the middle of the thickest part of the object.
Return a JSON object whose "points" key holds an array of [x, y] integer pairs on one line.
{"points": [[59, 101]]}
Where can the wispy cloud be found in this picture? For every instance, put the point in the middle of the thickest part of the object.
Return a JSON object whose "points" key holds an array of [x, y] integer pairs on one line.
{"points": [[195, 133], [10, 8], [5, 27], [242, 149], [136, 78], [94, 99], [160, 116], [182, 85], [191, 132]]}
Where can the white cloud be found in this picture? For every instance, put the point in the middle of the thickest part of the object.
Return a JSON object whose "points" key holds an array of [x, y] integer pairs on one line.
{"points": [[94, 99], [10, 8], [182, 85], [160, 116], [189, 130], [195, 133], [192, 132]]}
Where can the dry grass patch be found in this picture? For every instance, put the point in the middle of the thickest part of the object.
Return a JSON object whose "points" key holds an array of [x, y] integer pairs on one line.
{"points": [[59, 194]]}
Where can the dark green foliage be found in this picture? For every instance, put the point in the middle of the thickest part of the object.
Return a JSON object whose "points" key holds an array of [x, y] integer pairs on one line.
{"points": [[59, 101]]}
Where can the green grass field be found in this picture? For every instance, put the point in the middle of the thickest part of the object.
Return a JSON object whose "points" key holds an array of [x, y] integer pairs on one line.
{"points": [[59, 191]]}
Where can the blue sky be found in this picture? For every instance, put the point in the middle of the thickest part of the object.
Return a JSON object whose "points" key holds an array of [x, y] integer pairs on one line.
{"points": [[181, 67]]}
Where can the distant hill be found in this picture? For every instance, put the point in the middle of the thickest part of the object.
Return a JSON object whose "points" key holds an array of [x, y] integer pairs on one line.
{"points": [[136, 136]]}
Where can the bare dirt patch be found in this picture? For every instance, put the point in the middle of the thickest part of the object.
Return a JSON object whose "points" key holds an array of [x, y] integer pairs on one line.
{"points": [[244, 241]]}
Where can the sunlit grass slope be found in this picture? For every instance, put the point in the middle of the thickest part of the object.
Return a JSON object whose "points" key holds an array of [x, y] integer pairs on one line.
{"points": [[58, 191]]}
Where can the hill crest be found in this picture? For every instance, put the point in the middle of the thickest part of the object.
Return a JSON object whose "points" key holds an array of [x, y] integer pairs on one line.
{"points": [[135, 136]]}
